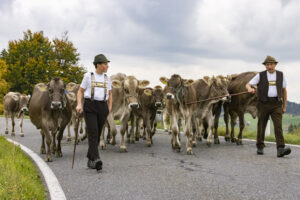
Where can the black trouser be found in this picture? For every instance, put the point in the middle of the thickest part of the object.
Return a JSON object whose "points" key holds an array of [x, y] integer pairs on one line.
{"points": [[272, 108], [95, 114]]}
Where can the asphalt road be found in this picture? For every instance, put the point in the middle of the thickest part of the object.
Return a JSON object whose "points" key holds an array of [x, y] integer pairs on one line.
{"points": [[223, 171]]}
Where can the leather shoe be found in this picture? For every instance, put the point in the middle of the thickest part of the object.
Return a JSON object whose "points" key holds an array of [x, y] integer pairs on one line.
{"points": [[95, 164], [282, 151], [260, 151]]}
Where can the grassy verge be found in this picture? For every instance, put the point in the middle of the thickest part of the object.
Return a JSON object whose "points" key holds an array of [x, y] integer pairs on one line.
{"points": [[19, 177]]}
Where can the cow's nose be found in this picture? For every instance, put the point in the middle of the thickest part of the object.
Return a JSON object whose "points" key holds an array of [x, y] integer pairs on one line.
{"points": [[25, 109], [56, 105], [159, 111], [134, 105], [157, 104]]}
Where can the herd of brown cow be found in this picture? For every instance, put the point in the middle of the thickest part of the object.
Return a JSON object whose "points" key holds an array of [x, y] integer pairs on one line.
{"points": [[52, 108]]}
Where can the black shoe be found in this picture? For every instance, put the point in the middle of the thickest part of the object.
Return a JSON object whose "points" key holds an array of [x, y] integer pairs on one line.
{"points": [[260, 151], [282, 151], [95, 164]]}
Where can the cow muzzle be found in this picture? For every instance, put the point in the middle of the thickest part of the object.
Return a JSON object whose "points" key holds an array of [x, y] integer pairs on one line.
{"points": [[226, 99], [56, 105], [133, 105], [158, 104], [169, 96], [24, 109]]}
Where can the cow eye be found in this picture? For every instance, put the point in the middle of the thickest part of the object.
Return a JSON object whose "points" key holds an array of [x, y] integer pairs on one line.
{"points": [[50, 90], [126, 90]]}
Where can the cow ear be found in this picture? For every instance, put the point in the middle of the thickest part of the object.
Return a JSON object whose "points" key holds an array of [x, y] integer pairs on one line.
{"points": [[143, 83], [207, 80], [229, 78], [116, 84], [164, 80], [42, 87], [147, 92], [188, 82]]}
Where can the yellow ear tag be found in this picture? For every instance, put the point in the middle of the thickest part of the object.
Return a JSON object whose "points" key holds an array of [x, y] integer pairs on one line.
{"points": [[43, 89]]}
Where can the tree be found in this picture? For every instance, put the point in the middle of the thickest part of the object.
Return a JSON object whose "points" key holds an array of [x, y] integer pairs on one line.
{"points": [[4, 87], [35, 59]]}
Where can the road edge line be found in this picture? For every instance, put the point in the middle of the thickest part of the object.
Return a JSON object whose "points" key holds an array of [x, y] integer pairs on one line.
{"points": [[54, 187]]}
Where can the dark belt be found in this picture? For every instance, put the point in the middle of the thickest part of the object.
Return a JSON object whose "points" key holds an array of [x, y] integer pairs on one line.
{"points": [[272, 99], [86, 99]]}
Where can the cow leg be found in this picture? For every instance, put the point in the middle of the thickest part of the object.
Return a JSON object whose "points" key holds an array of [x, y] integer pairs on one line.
{"points": [[81, 126], [69, 131], [62, 127], [199, 135], [242, 126], [210, 120], [233, 118], [187, 131], [195, 133], [12, 125], [137, 129], [132, 135], [216, 125], [226, 120], [175, 131], [43, 150], [165, 113], [124, 126], [48, 157], [21, 125], [108, 136], [153, 129], [53, 144], [148, 128], [112, 128], [6, 119]]}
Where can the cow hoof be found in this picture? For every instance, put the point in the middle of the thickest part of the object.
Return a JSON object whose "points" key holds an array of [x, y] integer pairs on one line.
{"points": [[144, 138], [13, 134], [83, 137], [58, 154], [102, 145], [113, 142], [194, 144], [233, 140], [132, 141], [148, 143], [189, 151], [166, 130], [6, 132], [42, 151], [108, 141], [178, 149], [128, 140], [22, 134], [199, 138], [137, 138], [205, 136], [239, 142], [208, 144], [48, 158], [217, 141], [68, 139], [227, 139], [123, 149]]}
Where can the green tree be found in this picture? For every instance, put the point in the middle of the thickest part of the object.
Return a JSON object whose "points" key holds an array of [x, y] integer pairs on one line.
{"points": [[4, 87], [35, 59]]}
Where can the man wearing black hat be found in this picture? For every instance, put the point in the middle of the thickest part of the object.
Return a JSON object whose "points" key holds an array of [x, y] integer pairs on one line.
{"points": [[96, 90], [272, 96]]}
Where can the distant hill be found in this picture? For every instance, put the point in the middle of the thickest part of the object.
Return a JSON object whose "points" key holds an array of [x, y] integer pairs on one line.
{"points": [[293, 108]]}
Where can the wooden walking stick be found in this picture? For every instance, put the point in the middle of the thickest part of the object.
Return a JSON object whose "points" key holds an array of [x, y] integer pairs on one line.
{"points": [[76, 138]]}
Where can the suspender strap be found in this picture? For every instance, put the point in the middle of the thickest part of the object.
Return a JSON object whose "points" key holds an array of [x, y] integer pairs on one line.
{"points": [[105, 86], [98, 84], [92, 86]]}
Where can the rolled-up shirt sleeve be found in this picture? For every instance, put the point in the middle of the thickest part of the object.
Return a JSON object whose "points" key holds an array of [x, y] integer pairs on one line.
{"points": [[84, 83], [254, 80]]}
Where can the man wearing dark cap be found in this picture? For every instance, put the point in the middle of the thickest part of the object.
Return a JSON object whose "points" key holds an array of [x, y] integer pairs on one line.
{"points": [[272, 97], [96, 90]]}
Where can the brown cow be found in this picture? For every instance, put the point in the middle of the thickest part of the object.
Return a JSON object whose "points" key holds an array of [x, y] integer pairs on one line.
{"points": [[150, 101], [183, 92], [50, 110], [15, 104], [76, 119], [239, 105], [125, 99]]}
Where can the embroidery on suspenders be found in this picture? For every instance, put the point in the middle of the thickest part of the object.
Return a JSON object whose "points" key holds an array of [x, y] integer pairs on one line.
{"points": [[98, 84]]}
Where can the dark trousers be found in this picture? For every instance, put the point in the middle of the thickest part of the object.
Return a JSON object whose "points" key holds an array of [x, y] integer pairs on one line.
{"points": [[95, 114], [272, 108]]}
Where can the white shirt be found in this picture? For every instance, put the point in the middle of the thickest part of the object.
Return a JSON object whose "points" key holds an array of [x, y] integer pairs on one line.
{"points": [[98, 91], [272, 88]]}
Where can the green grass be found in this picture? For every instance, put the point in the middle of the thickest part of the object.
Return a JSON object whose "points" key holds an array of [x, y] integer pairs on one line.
{"points": [[19, 177]]}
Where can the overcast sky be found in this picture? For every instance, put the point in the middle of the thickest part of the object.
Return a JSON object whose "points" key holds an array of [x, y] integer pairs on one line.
{"points": [[154, 38]]}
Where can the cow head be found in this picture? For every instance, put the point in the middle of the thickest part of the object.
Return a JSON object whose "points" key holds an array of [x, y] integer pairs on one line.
{"points": [[130, 86], [218, 87], [56, 88], [23, 102], [157, 96], [174, 85]]}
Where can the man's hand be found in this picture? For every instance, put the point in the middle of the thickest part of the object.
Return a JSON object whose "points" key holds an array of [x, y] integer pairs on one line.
{"points": [[79, 108], [251, 90], [283, 109]]}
